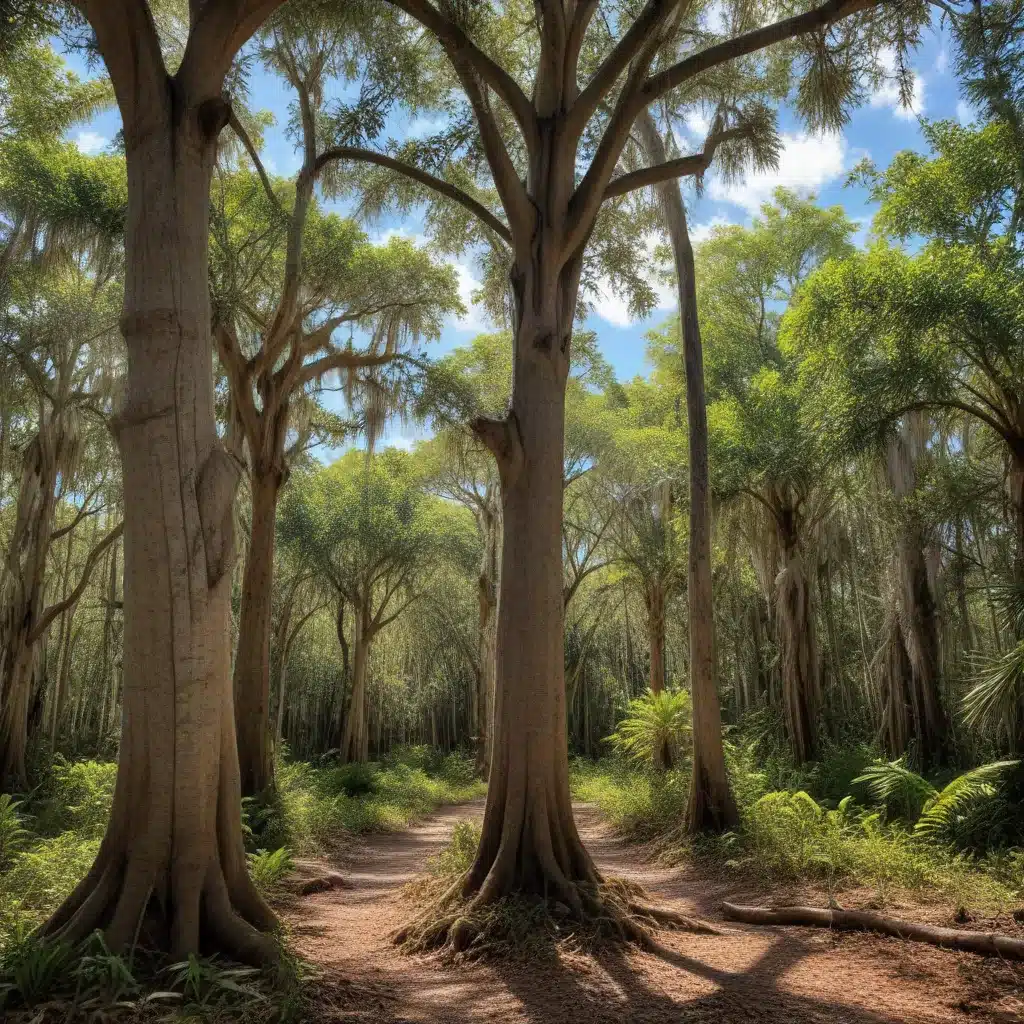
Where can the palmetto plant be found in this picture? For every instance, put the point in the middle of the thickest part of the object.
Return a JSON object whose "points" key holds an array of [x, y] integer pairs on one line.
{"points": [[654, 722], [995, 703], [910, 796]]}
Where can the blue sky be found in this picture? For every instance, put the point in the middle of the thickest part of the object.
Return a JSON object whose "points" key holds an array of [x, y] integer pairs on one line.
{"points": [[810, 164]]}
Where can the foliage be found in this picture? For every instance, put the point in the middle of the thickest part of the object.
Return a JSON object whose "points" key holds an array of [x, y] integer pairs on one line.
{"points": [[654, 722], [789, 836]]}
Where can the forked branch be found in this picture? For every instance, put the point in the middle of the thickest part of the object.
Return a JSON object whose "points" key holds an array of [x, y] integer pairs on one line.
{"points": [[72, 599]]}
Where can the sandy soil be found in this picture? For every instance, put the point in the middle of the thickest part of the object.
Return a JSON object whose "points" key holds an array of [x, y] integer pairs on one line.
{"points": [[779, 975]]}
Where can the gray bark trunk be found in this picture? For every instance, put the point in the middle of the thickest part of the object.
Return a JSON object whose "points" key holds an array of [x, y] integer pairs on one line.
{"points": [[711, 803]]}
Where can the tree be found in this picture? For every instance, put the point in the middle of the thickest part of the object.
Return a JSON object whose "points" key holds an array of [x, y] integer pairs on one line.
{"points": [[938, 329], [551, 149], [369, 529], [61, 329], [280, 307], [172, 864], [765, 443]]}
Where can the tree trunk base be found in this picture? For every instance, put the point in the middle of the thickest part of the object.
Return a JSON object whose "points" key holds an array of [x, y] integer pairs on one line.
{"points": [[983, 943], [475, 928]]}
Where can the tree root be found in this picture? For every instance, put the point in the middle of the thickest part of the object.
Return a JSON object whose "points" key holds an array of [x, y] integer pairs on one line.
{"points": [[457, 926], [983, 943]]}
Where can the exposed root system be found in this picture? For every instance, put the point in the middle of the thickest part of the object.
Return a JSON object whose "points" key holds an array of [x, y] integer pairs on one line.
{"points": [[612, 910]]}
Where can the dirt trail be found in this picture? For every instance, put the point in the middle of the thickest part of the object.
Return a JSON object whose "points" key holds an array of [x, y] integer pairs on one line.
{"points": [[784, 976]]}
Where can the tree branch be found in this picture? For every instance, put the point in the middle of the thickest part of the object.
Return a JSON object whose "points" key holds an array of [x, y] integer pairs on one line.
{"points": [[90, 563], [343, 361], [438, 185], [462, 50], [83, 513], [239, 129], [629, 45], [222, 28], [130, 47], [680, 167], [749, 42]]}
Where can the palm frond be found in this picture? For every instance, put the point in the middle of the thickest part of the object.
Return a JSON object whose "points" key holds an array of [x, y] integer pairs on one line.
{"points": [[979, 783], [897, 788]]}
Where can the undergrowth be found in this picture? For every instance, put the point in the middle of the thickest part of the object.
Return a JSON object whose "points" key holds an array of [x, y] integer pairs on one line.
{"points": [[803, 833], [49, 836]]}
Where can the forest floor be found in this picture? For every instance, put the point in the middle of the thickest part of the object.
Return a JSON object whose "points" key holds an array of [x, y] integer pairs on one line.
{"points": [[747, 974]]}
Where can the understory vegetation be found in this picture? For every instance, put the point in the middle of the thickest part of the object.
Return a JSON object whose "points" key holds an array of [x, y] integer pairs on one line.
{"points": [[49, 839], [848, 823]]}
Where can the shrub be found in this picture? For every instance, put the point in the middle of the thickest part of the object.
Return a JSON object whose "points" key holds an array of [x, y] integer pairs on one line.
{"points": [[656, 726]]}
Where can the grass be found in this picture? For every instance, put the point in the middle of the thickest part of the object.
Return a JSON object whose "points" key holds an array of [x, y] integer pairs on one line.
{"points": [[50, 839], [789, 836]]}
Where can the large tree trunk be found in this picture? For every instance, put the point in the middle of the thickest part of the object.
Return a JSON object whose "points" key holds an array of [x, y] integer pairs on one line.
{"points": [[529, 841], [172, 862], [252, 660], [1016, 485], [711, 804]]}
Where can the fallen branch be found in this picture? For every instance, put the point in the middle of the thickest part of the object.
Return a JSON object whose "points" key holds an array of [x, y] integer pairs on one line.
{"points": [[983, 943]]}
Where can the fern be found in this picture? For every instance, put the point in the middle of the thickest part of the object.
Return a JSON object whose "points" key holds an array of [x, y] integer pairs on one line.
{"points": [[268, 869], [900, 790], [942, 809], [654, 722], [12, 836]]}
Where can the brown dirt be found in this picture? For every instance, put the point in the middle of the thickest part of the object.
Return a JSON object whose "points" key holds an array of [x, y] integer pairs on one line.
{"points": [[786, 975]]}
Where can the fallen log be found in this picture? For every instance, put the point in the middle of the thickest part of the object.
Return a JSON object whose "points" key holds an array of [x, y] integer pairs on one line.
{"points": [[983, 943]]}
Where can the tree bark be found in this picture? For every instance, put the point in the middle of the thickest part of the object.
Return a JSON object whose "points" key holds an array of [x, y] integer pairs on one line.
{"points": [[487, 592], [252, 660], [711, 803], [912, 712], [529, 841], [171, 866]]}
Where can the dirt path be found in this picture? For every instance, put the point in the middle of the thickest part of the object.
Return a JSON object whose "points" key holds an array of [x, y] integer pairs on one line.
{"points": [[787, 976]]}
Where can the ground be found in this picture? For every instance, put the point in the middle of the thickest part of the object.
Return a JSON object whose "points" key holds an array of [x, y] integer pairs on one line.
{"points": [[749, 974]]}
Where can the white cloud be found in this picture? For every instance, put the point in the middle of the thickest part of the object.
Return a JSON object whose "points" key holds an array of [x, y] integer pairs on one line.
{"points": [[475, 319], [942, 62], [614, 309], [965, 113], [888, 93], [806, 163], [90, 142], [702, 232]]}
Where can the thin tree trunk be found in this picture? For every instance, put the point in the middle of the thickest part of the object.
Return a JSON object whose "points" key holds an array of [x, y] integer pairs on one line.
{"points": [[355, 738], [252, 659], [171, 867], [656, 635], [487, 588], [711, 804]]}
